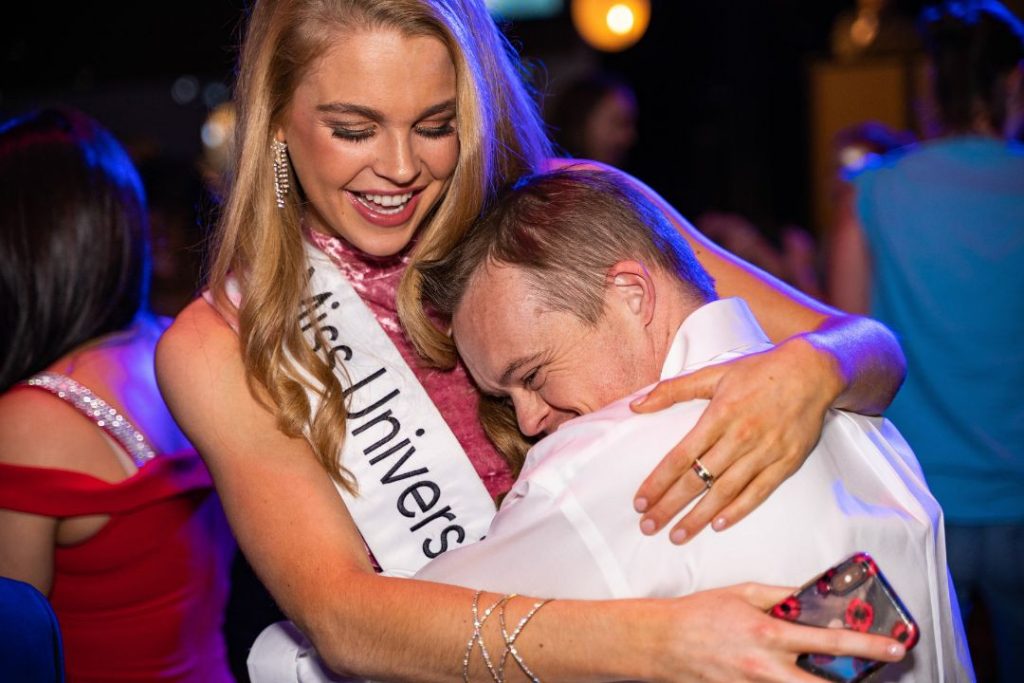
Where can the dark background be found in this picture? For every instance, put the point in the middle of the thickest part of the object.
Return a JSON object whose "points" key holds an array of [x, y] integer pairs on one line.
{"points": [[720, 85]]}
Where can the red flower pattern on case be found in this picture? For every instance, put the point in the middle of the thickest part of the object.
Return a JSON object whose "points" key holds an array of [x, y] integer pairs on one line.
{"points": [[859, 615], [788, 609], [824, 584]]}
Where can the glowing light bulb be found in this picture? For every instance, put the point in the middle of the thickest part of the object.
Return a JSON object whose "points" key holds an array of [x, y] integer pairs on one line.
{"points": [[620, 19], [611, 25]]}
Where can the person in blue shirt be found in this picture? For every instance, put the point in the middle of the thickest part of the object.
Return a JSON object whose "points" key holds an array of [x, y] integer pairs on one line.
{"points": [[930, 240]]}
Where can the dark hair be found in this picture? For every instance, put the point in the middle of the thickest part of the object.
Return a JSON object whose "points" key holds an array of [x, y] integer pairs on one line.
{"points": [[74, 256], [566, 229], [973, 46]]}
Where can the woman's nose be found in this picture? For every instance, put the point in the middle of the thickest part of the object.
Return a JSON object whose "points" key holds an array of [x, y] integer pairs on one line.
{"points": [[396, 160]]}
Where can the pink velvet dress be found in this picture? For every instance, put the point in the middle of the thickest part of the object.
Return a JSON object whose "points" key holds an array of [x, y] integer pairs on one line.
{"points": [[376, 282]]}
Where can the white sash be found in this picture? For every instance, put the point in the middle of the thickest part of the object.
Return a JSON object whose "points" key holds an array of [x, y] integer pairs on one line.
{"points": [[418, 492]]}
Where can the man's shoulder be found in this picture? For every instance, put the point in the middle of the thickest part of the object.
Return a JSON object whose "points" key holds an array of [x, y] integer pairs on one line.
{"points": [[853, 442], [611, 432]]}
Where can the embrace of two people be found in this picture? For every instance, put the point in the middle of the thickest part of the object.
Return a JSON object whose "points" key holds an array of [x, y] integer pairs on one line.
{"points": [[394, 203], [571, 297], [372, 136]]}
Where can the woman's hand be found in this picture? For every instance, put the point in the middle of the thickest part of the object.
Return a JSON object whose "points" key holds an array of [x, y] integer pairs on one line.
{"points": [[727, 636], [765, 416]]}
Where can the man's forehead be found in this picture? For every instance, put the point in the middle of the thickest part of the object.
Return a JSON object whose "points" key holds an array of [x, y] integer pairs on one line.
{"points": [[494, 287], [492, 325]]}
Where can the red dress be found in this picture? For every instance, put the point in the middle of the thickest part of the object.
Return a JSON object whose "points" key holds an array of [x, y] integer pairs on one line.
{"points": [[143, 599]]}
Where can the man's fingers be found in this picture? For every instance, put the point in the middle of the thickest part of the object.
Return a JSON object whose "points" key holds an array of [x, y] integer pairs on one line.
{"points": [[699, 384]]}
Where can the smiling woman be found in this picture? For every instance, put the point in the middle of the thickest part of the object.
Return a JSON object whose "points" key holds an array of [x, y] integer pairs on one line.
{"points": [[372, 133]]}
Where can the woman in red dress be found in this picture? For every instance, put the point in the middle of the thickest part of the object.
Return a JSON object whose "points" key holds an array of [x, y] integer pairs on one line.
{"points": [[104, 505]]}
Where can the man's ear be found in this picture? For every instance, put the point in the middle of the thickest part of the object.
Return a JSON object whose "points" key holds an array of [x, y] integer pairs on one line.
{"points": [[631, 284]]}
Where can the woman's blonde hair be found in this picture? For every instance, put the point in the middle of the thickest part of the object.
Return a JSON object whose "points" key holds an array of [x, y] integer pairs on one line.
{"points": [[500, 138]]}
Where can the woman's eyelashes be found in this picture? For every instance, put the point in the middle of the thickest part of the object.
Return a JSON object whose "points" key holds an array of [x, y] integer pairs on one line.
{"points": [[355, 133], [359, 134], [440, 130]]}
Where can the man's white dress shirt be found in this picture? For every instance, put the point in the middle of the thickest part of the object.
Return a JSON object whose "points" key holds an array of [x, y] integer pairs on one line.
{"points": [[567, 528]]}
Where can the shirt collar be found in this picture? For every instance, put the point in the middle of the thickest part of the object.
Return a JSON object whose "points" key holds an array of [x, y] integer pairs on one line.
{"points": [[721, 327]]}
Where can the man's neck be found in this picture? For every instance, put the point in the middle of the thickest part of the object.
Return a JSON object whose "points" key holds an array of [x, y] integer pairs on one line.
{"points": [[673, 307]]}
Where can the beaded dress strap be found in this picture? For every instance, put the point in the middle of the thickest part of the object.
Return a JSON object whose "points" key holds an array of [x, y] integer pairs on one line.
{"points": [[99, 411]]}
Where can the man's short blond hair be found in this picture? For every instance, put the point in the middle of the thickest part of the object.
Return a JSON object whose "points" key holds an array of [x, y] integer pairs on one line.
{"points": [[566, 229]]}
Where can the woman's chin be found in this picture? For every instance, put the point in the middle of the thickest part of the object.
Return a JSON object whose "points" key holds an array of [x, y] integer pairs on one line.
{"points": [[382, 247]]}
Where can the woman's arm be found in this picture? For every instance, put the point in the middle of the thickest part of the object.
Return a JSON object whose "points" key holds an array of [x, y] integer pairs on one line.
{"points": [[295, 530], [41, 431], [766, 410], [28, 542]]}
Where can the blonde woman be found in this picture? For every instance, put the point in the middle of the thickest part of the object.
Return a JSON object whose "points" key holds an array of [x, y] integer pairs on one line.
{"points": [[371, 134]]}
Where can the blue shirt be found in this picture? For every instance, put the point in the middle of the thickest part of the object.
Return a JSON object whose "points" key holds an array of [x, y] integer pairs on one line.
{"points": [[945, 226]]}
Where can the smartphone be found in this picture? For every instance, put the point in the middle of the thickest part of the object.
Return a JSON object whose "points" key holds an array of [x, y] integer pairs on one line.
{"points": [[855, 595]]}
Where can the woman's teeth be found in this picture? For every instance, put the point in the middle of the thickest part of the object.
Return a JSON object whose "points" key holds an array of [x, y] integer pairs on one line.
{"points": [[385, 204]]}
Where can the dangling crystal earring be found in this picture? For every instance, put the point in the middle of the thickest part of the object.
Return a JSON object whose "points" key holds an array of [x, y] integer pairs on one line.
{"points": [[281, 183]]}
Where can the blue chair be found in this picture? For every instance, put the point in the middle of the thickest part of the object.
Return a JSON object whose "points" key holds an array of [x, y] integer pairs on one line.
{"points": [[30, 644]]}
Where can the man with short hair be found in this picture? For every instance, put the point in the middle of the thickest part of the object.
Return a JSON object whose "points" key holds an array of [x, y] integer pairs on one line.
{"points": [[570, 296]]}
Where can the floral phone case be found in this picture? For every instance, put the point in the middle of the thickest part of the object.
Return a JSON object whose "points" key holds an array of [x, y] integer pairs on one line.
{"points": [[855, 595]]}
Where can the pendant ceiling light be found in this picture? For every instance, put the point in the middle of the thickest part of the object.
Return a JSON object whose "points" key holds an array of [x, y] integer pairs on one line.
{"points": [[611, 25]]}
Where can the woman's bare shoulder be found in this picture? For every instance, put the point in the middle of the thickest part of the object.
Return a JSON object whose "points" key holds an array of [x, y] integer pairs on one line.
{"points": [[197, 341], [199, 366], [38, 429]]}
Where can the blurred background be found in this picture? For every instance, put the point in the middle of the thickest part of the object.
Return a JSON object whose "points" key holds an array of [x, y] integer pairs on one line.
{"points": [[742, 113], [728, 109]]}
